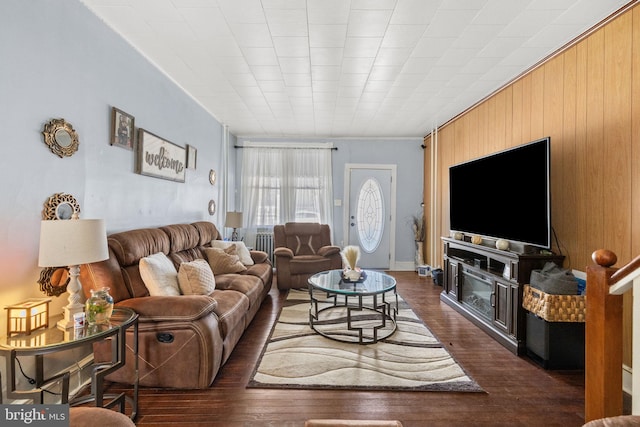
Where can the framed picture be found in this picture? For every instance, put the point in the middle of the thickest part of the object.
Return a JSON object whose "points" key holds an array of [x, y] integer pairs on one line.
{"points": [[122, 129], [160, 158], [192, 154]]}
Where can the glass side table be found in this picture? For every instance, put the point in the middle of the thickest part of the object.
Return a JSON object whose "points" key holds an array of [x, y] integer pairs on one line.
{"points": [[54, 340]]}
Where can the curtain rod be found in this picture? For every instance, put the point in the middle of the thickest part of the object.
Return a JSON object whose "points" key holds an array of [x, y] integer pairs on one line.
{"points": [[291, 148]]}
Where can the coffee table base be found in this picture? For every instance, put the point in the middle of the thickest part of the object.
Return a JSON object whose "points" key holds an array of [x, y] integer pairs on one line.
{"points": [[372, 317]]}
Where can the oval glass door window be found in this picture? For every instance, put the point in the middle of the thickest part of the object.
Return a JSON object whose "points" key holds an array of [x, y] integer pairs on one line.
{"points": [[370, 215]]}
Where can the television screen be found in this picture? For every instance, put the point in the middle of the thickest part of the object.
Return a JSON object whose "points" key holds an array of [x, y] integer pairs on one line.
{"points": [[505, 195]]}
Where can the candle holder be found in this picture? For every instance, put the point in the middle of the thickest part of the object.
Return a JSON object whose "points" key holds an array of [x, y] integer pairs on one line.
{"points": [[27, 316]]}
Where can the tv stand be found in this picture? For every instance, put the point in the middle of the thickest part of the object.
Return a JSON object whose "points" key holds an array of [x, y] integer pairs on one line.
{"points": [[485, 284]]}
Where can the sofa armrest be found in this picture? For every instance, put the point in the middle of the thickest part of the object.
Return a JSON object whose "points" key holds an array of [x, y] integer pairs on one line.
{"points": [[170, 308], [283, 252], [328, 250], [259, 257]]}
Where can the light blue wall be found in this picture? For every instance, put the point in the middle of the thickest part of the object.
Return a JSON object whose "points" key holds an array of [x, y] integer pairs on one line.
{"points": [[60, 61], [405, 153]]}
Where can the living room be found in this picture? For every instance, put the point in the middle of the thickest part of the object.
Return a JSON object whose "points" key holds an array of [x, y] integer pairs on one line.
{"points": [[65, 63]]}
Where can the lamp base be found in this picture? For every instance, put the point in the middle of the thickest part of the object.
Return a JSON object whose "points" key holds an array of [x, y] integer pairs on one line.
{"points": [[234, 236], [67, 321], [74, 306]]}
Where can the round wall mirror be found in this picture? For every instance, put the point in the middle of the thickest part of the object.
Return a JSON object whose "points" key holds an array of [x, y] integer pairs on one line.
{"points": [[60, 137], [53, 281], [60, 206]]}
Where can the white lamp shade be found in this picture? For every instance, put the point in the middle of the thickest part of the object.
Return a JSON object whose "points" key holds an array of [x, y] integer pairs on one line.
{"points": [[234, 220], [72, 242]]}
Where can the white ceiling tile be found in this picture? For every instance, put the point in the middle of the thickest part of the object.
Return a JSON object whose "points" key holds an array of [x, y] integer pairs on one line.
{"points": [[287, 22], [432, 47], [322, 72], [251, 35], [327, 35], [456, 57], [449, 23], [291, 46], [326, 56], [501, 46], [283, 4], [529, 23], [356, 65], [266, 72], [353, 79], [385, 72], [373, 4], [368, 23], [414, 12], [392, 55], [403, 35], [328, 11], [260, 55], [366, 47], [499, 12], [476, 36], [297, 79], [242, 11], [290, 65]]}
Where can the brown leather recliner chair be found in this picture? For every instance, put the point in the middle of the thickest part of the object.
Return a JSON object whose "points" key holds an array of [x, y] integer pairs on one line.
{"points": [[303, 249]]}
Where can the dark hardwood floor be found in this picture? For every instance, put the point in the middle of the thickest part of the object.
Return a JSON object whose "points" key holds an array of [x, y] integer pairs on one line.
{"points": [[518, 392]]}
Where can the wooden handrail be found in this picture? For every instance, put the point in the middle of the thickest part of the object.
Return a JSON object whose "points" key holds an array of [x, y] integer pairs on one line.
{"points": [[603, 339]]}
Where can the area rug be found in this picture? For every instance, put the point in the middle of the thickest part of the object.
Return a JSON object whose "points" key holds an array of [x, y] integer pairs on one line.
{"points": [[411, 359]]}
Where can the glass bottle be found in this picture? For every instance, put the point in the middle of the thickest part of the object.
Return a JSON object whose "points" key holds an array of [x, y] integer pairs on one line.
{"points": [[99, 306]]}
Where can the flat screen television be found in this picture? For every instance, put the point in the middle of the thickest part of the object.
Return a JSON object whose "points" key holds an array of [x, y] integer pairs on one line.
{"points": [[505, 195]]}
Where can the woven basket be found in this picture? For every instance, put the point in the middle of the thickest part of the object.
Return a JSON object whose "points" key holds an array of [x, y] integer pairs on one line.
{"points": [[552, 307]]}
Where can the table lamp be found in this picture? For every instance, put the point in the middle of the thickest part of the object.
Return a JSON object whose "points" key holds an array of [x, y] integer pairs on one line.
{"points": [[234, 220], [71, 243]]}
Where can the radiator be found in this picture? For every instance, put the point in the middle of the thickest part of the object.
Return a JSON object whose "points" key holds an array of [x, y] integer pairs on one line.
{"points": [[264, 242]]}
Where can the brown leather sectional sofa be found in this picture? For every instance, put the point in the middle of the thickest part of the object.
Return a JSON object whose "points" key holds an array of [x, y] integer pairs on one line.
{"points": [[183, 340]]}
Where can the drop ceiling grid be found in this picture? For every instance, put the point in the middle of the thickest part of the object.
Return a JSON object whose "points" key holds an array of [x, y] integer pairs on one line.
{"points": [[345, 68]]}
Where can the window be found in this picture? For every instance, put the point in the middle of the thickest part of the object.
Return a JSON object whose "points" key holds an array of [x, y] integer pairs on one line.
{"points": [[370, 214], [284, 183]]}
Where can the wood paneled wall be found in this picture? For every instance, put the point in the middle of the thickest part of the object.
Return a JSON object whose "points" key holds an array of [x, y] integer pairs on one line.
{"points": [[587, 99]]}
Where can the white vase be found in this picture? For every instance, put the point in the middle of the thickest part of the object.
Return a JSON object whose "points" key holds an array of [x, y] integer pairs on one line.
{"points": [[419, 260]]}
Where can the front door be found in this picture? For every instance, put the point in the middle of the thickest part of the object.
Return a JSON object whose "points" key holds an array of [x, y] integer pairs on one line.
{"points": [[370, 213]]}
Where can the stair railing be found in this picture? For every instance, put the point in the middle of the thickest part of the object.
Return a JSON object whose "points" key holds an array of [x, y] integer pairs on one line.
{"points": [[603, 335]]}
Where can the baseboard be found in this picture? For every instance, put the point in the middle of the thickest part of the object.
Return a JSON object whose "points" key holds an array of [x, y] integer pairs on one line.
{"points": [[404, 266]]}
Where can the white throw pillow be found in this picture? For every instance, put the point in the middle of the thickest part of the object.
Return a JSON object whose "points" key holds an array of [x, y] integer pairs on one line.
{"points": [[241, 249], [159, 275], [196, 278]]}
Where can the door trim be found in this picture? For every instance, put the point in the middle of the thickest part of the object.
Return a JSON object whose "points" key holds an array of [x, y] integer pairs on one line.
{"points": [[392, 204]]}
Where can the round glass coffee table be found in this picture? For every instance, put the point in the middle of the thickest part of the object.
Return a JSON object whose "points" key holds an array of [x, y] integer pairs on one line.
{"points": [[349, 311]]}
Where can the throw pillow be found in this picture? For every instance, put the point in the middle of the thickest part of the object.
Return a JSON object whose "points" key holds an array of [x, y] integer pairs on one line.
{"points": [[196, 278], [241, 248], [223, 261], [159, 275]]}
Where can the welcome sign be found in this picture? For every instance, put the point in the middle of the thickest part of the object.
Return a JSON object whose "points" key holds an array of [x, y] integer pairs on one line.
{"points": [[160, 158]]}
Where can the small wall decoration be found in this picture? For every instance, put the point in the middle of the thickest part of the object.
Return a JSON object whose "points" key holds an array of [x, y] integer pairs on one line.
{"points": [[212, 177], [212, 207], [53, 281], [60, 137], [160, 158], [192, 154], [122, 129]]}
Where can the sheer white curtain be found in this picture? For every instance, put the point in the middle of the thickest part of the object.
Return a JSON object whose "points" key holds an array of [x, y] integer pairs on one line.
{"points": [[285, 183]]}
